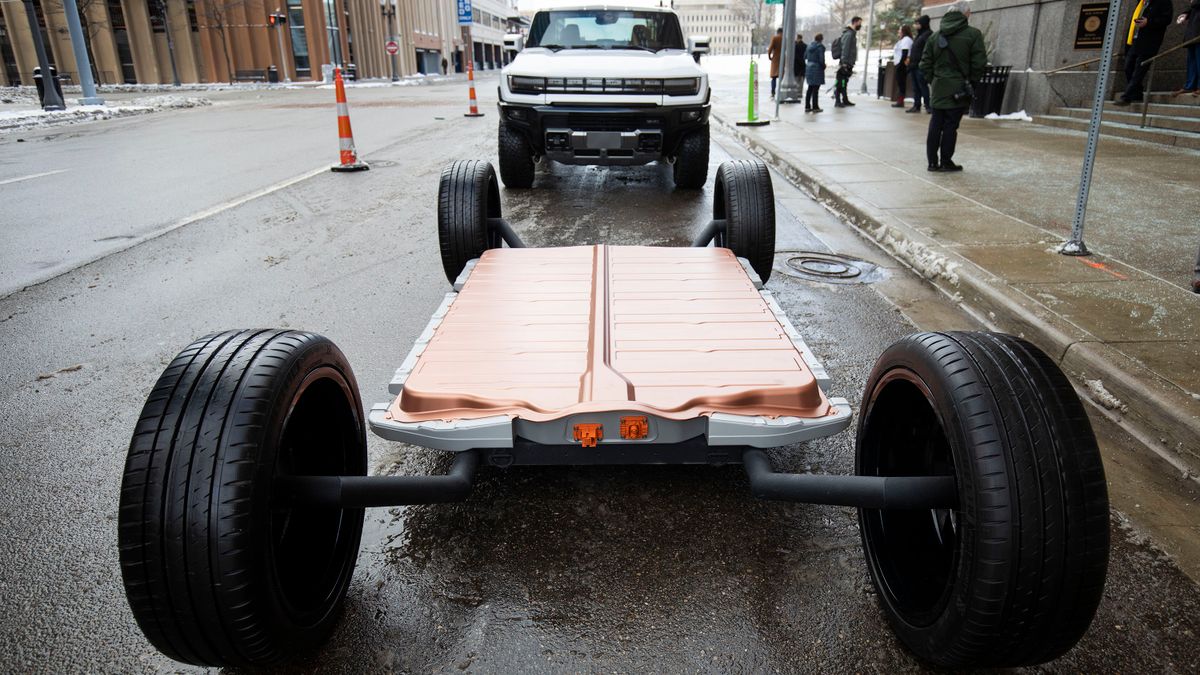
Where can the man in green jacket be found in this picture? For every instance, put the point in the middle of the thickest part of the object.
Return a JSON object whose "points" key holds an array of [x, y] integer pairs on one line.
{"points": [[950, 76]]}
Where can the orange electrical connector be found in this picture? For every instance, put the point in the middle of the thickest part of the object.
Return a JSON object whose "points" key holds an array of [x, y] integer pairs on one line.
{"points": [[635, 427], [589, 434]]}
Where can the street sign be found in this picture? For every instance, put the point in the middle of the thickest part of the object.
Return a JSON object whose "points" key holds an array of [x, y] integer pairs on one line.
{"points": [[392, 47], [774, 2], [464, 12]]}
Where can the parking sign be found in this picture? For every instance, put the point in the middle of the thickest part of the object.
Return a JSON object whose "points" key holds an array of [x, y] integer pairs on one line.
{"points": [[464, 12]]}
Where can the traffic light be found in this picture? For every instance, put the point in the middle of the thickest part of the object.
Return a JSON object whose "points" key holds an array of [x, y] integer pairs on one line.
{"points": [[277, 19]]}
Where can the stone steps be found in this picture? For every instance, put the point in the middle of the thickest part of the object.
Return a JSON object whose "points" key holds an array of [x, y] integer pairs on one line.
{"points": [[1172, 137], [1157, 119]]}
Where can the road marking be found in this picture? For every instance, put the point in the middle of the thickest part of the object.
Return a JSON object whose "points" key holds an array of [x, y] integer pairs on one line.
{"points": [[32, 176], [188, 220]]}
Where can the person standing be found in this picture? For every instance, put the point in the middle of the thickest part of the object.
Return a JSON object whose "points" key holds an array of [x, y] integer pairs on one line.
{"points": [[1191, 30], [798, 57], [847, 56], [814, 72], [900, 54], [920, 82], [775, 54], [954, 58], [1150, 21]]}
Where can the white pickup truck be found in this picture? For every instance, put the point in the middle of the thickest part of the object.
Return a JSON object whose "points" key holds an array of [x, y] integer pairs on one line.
{"points": [[608, 86]]}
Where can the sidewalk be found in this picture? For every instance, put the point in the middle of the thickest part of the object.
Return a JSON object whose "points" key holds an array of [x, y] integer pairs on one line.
{"points": [[1123, 321]]}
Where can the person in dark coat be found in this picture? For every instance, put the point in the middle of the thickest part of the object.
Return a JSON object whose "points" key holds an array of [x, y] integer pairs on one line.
{"points": [[920, 82], [966, 43], [849, 57], [1191, 30], [1150, 21], [798, 57], [814, 72]]}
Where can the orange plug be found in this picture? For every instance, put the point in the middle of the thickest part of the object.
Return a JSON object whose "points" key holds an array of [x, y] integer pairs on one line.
{"points": [[589, 434], [635, 427]]}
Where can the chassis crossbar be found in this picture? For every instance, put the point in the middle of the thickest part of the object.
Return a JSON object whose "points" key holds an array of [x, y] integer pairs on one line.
{"points": [[356, 492], [867, 492]]}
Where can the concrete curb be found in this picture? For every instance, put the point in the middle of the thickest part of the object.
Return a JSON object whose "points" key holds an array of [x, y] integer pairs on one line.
{"points": [[1149, 408]]}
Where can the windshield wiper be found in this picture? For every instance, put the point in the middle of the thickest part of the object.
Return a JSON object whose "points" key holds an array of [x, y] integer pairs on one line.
{"points": [[552, 48], [645, 49]]}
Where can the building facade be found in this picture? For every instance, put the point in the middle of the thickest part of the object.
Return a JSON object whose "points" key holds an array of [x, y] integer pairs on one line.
{"points": [[152, 41], [725, 23]]}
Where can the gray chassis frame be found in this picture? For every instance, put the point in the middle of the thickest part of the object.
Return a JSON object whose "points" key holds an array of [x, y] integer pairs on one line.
{"points": [[729, 439]]}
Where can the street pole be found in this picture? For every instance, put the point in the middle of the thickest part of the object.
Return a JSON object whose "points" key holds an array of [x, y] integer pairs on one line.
{"points": [[162, 9], [1075, 245], [867, 55], [283, 59], [50, 98], [82, 63], [787, 90], [390, 15]]}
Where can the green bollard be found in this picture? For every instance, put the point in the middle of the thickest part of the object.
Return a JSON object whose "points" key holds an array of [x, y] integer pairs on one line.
{"points": [[752, 119]]}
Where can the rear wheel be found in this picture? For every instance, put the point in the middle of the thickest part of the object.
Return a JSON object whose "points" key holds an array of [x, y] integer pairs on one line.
{"points": [[216, 570], [516, 158], [744, 198], [691, 161], [1014, 574], [467, 196]]}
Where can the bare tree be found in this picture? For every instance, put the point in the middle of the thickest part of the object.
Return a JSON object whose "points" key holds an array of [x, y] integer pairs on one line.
{"points": [[759, 16], [217, 16]]}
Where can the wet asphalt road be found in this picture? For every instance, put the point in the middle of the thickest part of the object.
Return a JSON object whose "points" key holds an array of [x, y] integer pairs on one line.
{"points": [[666, 569]]}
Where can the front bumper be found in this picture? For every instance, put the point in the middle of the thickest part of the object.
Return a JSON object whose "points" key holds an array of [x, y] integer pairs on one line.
{"points": [[625, 135]]}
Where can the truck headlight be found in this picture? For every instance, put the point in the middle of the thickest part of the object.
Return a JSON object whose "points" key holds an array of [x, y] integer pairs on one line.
{"points": [[681, 86], [520, 84]]}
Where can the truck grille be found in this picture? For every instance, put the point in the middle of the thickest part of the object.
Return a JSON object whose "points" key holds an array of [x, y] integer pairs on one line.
{"points": [[674, 86]]}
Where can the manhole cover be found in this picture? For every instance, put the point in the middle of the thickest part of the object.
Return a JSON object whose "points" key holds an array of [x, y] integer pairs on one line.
{"points": [[828, 267]]}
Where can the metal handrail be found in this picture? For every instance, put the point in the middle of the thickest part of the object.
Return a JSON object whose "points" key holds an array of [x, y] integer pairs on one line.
{"points": [[1150, 75], [1073, 65]]}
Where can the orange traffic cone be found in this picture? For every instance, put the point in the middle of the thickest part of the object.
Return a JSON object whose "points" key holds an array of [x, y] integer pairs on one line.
{"points": [[348, 158], [471, 79]]}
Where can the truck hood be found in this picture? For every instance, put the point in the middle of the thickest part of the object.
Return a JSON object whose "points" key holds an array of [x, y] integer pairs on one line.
{"points": [[538, 62]]}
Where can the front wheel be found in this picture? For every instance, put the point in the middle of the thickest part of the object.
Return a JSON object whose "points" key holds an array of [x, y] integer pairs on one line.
{"points": [[744, 199], [691, 161], [516, 158], [1013, 575], [218, 571]]}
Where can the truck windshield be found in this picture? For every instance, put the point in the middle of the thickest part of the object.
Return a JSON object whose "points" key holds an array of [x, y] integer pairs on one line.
{"points": [[605, 29]]}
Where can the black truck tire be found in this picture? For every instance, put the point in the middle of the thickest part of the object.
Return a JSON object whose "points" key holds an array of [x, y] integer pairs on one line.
{"points": [[216, 570], [1013, 575], [467, 196], [744, 198], [516, 158], [691, 161]]}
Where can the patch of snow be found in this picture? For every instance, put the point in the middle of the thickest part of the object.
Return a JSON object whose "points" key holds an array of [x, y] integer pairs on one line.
{"points": [[1019, 116], [1104, 397], [20, 120]]}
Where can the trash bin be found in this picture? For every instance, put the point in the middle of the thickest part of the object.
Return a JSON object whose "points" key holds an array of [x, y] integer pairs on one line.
{"points": [[273, 75], [41, 87], [989, 91]]}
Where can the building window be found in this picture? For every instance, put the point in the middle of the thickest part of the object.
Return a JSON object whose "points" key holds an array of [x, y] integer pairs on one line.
{"points": [[299, 38]]}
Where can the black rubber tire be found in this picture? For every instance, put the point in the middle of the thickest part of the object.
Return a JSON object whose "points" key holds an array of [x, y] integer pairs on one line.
{"points": [[745, 199], [467, 196], [216, 573], [516, 159], [1013, 576], [690, 170]]}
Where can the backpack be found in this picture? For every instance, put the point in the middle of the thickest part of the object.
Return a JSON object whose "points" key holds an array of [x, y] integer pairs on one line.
{"points": [[835, 49]]}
